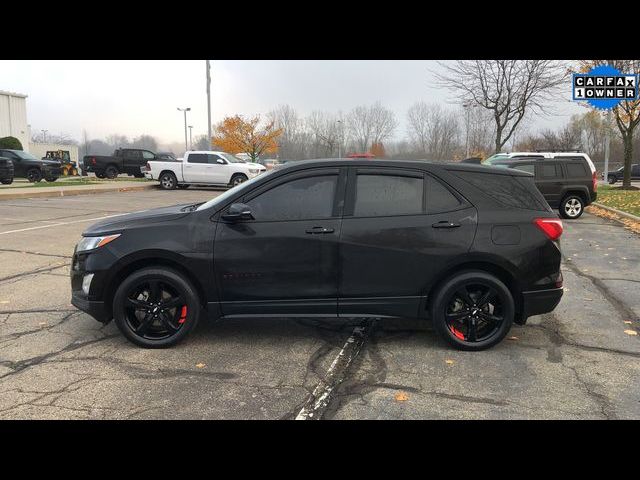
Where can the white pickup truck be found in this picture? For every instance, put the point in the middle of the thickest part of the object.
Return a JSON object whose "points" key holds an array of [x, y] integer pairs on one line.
{"points": [[202, 168]]}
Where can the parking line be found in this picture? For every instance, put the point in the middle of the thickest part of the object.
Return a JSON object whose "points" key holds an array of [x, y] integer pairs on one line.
{"points": [[319, 400], [61, 224]]}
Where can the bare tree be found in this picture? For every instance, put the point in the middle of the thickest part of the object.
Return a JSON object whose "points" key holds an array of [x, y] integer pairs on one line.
{"points": [[370, 124], [325, 129], [117, 141], [146, 142], [433, 130], [293, 143], [509, 89]]}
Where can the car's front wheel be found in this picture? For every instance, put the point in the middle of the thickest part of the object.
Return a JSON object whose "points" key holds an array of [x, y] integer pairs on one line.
{"points": [[472, 310], [571, 207], [156, 307], [168, 181]]}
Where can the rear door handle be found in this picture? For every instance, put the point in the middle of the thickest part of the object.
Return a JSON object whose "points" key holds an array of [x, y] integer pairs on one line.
{"points": [[319, 230], [445, 224]]}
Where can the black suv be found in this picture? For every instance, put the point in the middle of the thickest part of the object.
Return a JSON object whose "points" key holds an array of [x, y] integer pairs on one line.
{"points": [[6, 171], [618, 175], [567, 183], [33, 169], [474, 248]]}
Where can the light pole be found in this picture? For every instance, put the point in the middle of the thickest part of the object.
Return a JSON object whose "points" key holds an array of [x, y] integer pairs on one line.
{"points": [[607, 143], [185, 110], [190, 137], [209, 101], [467, 106], [44, 136], [340, 140]]}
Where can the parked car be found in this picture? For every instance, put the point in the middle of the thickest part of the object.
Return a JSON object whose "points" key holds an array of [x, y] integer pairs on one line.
{"points": [[123, 160], [166, 157], [567, 182], [270, 163], [473, 248], [26, 165], [202, 168], [6, 171], [618, 175]]}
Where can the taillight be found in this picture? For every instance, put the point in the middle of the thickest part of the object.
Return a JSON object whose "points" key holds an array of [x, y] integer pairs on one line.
{"points": [[148, 166], [552, 227], [595, 181], [93, 160]]}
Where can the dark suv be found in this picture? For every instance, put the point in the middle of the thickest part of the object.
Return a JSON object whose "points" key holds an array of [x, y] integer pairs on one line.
{"points": [[6, 171], [32, 168], [567, 183], [473, 248]]}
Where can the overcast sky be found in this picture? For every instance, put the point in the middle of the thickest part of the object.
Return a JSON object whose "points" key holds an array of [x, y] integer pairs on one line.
{"points": [[141, 97]]}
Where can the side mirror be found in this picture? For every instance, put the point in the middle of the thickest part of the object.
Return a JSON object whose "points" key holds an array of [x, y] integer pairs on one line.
{"points": [[238, 212], [220, 161]]}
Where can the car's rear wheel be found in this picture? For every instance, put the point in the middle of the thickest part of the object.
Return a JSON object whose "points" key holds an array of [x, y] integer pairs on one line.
{"points": [[34, 175], [156, 307], [612, 180], [111, 172], [237, 179], [7, 181], [571, 207], [168, 181], [51, 179], [100, 174], [472, 310]]}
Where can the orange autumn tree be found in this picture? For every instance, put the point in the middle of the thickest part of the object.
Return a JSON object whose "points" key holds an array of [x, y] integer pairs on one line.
{"points": [[377, 149], [237, 135]]}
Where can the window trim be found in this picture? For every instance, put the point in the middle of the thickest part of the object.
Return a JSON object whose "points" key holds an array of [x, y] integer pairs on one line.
{"points": [[464, 203], [540, 168]]}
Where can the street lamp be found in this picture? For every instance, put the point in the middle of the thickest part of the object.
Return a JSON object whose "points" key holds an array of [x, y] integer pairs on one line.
{"points": [[340, 140], [185, 110], [190, 138]]}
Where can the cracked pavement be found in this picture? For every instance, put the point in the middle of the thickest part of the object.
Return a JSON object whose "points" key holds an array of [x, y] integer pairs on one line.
{"points": [[57, 362]]}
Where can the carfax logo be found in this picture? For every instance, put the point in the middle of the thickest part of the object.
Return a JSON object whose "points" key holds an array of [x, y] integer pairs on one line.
{"points": [[604, 87]]}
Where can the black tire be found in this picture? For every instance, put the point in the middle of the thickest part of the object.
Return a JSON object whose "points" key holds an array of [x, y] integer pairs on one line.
{"points": [[111, 172], [237, 179], [491, 320], [100, 174], [7, 181], [571, 207], [34, 175], [136, 300], [168, 181], [51, 179], [182, 186], [612, 180]]}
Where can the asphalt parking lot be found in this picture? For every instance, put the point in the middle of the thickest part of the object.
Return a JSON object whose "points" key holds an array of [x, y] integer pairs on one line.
{"points": [[57, 362]]}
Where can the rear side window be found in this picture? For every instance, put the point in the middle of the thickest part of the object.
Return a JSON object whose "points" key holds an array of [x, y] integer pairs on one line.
{"points": [[385, 195], [576, 170], [301, 199], [529, 168], [198, 158], [550, 170], [510, 191], [439, 198]]}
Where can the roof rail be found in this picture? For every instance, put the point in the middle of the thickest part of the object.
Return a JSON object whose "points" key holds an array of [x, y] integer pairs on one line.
{"points": [[558, 151]]}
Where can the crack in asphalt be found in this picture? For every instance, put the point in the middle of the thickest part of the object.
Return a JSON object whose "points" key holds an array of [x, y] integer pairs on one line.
{"points": [[14, 336], [11, 250], [31, 272]]}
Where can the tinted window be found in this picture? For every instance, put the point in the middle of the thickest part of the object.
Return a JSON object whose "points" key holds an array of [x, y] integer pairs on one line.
{"points": [[381, 195], [198, 158], [511, 191], [529, 168], [550, 170], [576, 170], [305, 198], [635, 169], [439, 198], [214, 158], [131, 155]]}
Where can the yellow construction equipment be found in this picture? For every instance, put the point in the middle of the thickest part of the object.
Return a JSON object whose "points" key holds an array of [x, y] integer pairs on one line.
{"points": [[68, 167]]}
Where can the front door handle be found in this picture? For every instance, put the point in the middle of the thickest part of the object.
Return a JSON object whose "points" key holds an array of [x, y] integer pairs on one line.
{"points": [[445, 224], [319, 230]]}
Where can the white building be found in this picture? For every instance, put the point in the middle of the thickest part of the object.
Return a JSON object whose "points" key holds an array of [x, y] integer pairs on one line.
{"points": [[13, 117]]}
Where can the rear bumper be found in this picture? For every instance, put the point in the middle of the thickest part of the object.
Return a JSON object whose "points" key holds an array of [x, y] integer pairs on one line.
{"points": [[538, 302], [96, 309]]}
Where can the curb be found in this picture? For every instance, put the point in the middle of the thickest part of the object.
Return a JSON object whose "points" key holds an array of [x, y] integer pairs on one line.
{"points": [[617, 212], [78, 191]]}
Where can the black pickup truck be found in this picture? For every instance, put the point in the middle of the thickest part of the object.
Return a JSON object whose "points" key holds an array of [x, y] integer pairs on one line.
{"points": [[123, 160], [6, 171], [33, 169]]}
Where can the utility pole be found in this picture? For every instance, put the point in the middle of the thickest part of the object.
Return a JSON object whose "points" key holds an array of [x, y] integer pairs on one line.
{"points": [[209, 101], [190, 137], [185, 110], [606, 147], [340, 140], [466, 106], [44, 136]]}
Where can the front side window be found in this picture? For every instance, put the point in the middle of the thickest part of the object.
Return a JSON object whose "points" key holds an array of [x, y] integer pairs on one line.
{"points": [[213, 158], [232, 158], [385, 195], [301, 199], [131, 155]]}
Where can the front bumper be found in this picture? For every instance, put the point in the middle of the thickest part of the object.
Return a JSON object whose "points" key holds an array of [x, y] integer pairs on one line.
{"points": [[97, 309], [538, 302]]}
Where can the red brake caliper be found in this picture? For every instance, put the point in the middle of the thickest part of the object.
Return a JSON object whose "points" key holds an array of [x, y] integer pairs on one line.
{"points": [[457, 333], [183, 315]]}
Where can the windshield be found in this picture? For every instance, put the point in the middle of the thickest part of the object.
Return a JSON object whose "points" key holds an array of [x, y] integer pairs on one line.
{"points": [[24, 155], [222, 198], [232, 158], [494, 158]]}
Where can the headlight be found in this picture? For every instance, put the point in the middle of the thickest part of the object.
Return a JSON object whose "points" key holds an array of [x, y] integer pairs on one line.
{"points": [[90, 243], [253, 170]]}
